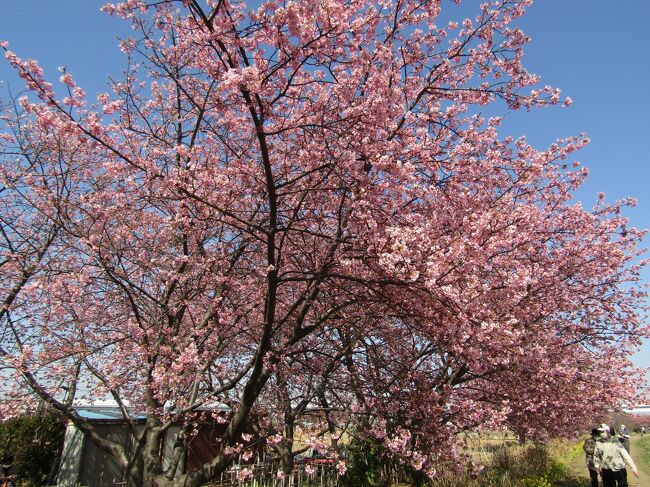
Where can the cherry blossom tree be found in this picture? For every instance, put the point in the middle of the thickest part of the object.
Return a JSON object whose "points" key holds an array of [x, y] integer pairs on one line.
{"points": [[296, 209]]}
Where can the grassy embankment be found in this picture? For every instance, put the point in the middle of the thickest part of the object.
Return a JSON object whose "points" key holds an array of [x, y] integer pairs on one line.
{"points": [[507, 464], [644, 453]]}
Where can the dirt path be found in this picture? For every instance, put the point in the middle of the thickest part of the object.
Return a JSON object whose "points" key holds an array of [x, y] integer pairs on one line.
{"points": [[578, 466]]}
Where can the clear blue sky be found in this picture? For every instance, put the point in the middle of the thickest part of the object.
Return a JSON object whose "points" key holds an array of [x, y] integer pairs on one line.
{"points": [[595, 50]]}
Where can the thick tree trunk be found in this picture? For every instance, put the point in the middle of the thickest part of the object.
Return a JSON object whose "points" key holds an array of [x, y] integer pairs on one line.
{"points": [[135, 472], [162, 481], [286, 456], [151, 457], [286, 463]]}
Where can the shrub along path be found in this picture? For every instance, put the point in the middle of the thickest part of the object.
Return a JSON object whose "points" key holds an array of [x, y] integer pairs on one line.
{"points": [[640, 452]]}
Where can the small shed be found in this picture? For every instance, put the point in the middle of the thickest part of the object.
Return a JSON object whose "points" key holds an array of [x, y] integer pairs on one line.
{"points": [[84, 464]]}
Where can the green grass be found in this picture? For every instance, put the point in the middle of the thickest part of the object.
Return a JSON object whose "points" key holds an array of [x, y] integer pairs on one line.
{"points": [[644, 443]]}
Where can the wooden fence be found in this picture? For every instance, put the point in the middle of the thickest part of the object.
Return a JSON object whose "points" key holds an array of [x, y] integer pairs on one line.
{"points": [[265, 474]]}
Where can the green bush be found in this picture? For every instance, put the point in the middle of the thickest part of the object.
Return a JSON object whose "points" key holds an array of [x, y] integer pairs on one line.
{"points": [[542, 481], [35, 443], [370, 465], [366, 458]]}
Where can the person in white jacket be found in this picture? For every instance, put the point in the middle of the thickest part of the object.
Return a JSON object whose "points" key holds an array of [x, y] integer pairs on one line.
{"points": [[611, 459]]}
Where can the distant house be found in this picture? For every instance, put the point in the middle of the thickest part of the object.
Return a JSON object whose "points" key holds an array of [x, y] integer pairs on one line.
{"points": [[82, 463]]}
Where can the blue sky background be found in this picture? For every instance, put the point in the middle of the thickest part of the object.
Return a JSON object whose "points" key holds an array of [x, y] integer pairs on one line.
{"points": [[596, 51]]}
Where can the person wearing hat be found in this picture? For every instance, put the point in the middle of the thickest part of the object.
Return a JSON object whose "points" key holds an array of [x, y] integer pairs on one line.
{"points": [[589, 447], [624, 437], [610, 460]]}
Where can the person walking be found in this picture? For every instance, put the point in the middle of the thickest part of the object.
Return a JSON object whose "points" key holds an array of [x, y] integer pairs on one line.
{"points": [[611, 459], [589, 446], [624, 437]]}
